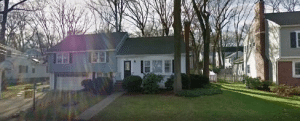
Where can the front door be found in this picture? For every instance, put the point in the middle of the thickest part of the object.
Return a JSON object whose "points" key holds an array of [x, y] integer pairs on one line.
{"points": [[127, 68]]}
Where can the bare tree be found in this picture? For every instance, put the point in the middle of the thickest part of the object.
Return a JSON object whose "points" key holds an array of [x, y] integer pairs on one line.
{"points": [[164, 10], [203, 15], [7, 8], [177, 39], [290, 5], [275, 4], [42, 23], [138, 12], [221, 14], [110, 11], [67, 19], [241, 14]]}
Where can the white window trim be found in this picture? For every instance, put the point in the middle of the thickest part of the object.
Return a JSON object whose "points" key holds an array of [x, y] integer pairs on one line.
{"points": [[163, 67], [297, 39], [144, 66], [164, 71], [62, 58], [92, 53], [294, 72]]}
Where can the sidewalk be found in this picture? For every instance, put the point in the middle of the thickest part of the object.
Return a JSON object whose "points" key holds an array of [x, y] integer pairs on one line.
{"points": [[9, 107], [89, 113]]}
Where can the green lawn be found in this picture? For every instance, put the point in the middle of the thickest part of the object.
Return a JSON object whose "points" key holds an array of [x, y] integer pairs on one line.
{"points": [[236, 103]]}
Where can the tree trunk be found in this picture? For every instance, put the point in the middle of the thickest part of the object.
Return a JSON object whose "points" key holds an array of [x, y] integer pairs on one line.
{"points": [[177, 39], [206, 49], [187, 51], [219, 51], [3, 29]]}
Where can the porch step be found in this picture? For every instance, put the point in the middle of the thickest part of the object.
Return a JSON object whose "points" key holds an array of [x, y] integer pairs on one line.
{"points": [[118, 86]]}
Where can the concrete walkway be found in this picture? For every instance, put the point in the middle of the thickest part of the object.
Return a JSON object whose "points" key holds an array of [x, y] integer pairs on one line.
{"points": [[89, 113]]}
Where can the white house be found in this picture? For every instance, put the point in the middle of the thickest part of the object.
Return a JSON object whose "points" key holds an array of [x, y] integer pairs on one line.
{"points": [[229, 60], [23, 67], [139, 56]]}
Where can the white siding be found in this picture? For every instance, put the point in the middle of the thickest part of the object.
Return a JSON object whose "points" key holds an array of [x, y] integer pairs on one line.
{"points": [[249, 56], [273, 48], [136, 64]]}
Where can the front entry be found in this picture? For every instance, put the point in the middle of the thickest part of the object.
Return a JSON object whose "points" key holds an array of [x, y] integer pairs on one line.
{"points": [[127, 68]]}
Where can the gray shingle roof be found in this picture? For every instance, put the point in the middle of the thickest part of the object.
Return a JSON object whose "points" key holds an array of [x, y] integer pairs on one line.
{"points": [[101, 41], [149, 45], [285, 18]]}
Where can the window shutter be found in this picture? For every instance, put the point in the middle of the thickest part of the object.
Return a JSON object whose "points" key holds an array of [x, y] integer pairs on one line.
{"points": [[90, 57], [54, 58], [172, 66], [20, 69], [293, 39], [26, 69], [71, 58], [142, 67], [107, 56]]}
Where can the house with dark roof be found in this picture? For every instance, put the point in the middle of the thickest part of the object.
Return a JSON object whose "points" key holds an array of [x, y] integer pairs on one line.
{"points": [[273, 48], [80, 57], [138, 56]]}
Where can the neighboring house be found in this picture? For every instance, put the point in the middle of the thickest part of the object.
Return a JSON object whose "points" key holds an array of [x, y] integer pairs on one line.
{"points": [[80, 57], [238, 67], [229, 60], [139, 56], [22, 67], [276, 53]]}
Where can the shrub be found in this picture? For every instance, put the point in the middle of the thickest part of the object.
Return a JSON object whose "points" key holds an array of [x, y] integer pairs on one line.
{"points": [[285, 90], [150, 83], [132, 84], [169, 83], [184, 81], [197, 81], [100, 85], [255, 83], [200, 92]]}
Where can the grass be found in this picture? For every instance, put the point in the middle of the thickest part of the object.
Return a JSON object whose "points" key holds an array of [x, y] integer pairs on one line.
{"points": [[12, 91], [236, 103], [58, 105]]}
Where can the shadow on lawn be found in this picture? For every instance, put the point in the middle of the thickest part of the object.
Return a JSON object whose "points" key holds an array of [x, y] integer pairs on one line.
{"points": [[264, 95]]}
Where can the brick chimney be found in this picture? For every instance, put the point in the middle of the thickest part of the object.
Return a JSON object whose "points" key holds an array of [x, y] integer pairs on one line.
{"points": [[260, 53]]}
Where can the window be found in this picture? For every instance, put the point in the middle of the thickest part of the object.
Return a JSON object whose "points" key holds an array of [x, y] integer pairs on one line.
{"points": [[47, 71], [167, 66], [23, 69], [98, 57], [248, 68], [296, 69], [147, 66], [62, 58], [33, 70], [157, 66]]}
